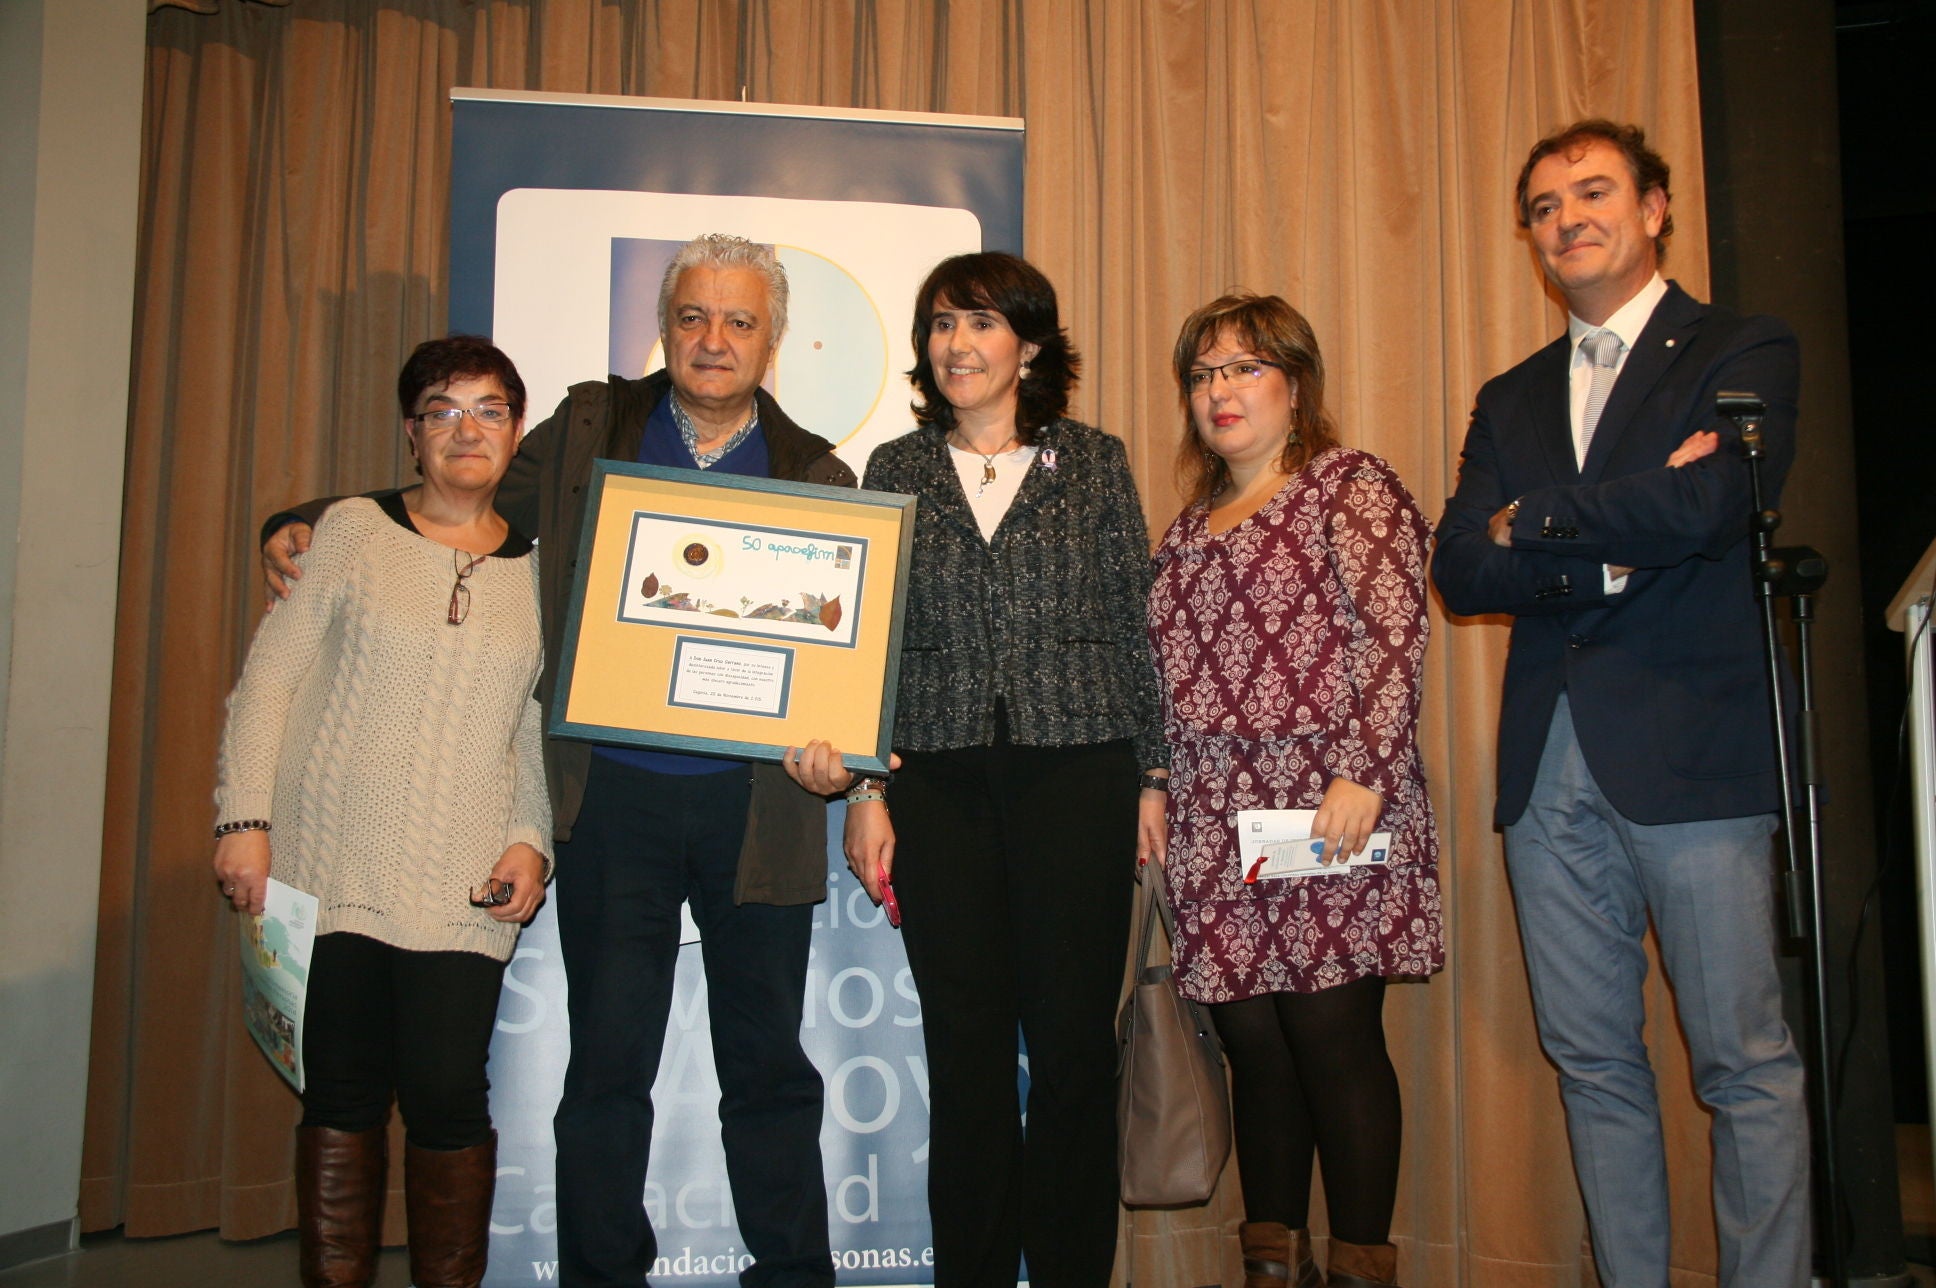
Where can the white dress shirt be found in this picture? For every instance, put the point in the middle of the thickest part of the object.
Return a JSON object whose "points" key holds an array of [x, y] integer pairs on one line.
{"points": [[1627, 322]]}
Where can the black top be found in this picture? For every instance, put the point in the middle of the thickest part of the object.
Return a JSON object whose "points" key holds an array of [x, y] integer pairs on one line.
{"points": [[516, 544]]}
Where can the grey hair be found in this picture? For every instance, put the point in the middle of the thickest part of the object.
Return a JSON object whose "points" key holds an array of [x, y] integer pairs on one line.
{"points": [[722, 251]]}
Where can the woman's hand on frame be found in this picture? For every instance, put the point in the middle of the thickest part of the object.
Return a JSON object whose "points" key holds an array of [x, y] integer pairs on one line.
{"points": [[818, 767]]}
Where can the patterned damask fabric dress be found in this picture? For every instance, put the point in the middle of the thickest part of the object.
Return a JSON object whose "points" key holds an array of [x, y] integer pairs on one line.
{"points": [[1290, 649]]}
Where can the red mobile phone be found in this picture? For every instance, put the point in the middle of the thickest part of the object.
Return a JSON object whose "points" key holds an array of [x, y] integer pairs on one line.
{"points": [[889, 902]]}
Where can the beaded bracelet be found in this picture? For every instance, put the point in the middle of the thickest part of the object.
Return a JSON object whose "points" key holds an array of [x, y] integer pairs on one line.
{"points": [[241, 825]]}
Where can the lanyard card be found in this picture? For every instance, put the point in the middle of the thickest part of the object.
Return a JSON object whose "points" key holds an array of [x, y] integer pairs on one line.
{"points": [[1278, 843]]}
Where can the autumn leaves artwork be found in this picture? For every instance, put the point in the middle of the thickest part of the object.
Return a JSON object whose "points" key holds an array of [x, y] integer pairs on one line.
{"points": [[759, 581], [813, 608]]}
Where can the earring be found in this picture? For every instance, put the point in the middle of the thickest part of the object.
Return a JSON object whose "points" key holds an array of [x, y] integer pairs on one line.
{"points": [[1023, 374]]}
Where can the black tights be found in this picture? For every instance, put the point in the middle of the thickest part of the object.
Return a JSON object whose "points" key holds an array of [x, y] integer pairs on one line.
{"points": [[384, 1020], [1309, 1072]]}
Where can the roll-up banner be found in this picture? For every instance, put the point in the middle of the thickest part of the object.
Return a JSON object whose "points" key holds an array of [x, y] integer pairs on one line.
{"points": [[565, 211]]}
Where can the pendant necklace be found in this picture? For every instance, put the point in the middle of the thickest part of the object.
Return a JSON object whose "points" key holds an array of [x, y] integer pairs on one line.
{"points": [[987, 460]]}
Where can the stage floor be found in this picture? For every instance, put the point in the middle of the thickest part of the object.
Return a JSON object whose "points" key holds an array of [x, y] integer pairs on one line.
{"points": [[199, 1260]]}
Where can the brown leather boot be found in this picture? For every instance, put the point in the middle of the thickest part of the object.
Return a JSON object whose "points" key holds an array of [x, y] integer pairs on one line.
{"points": [[1276, 1256], [1362, 1265], [339, 1205], [447, 1196]]}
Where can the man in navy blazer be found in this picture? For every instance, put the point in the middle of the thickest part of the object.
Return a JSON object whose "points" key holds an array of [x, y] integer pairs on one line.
{"points": [[1604, 504]]}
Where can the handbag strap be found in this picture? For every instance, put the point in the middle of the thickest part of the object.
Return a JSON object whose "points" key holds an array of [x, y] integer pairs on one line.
{"points": [[1156, 906]]}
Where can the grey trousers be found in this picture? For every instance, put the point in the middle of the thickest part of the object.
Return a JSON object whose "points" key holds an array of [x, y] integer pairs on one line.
{"points": [[1585, 880]]}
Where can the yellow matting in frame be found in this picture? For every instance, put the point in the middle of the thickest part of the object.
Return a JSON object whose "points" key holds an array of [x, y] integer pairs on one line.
{"points": [[621, 676]]}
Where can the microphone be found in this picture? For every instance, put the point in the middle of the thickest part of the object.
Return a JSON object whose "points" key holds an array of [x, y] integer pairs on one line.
{"points": [[1734, 404]]}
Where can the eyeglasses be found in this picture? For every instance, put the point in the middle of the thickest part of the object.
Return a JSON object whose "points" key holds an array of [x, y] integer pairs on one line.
{"points": [[493, 893], [1241, 374], [460, 594], [491, 415]]}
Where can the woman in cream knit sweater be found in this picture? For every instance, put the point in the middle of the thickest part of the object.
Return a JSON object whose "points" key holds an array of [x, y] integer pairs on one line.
{"points": [[383, 754]]}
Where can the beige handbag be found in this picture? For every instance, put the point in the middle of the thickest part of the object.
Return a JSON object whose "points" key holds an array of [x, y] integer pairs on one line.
{"points": [[1172, 1096]]}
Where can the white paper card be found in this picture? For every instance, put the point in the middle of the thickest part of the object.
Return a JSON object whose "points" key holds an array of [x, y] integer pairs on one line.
{"points": [[746, 679], [1278, 843]]}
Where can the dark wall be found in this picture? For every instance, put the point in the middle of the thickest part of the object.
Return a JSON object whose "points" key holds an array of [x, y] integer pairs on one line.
{"points": [[1777, 138], [1888, 119]]}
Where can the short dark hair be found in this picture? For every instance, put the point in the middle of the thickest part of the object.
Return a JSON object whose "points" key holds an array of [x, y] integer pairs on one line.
{"points": [[438, 362], [1649, 171], [1270, 328], [1016, 289]]}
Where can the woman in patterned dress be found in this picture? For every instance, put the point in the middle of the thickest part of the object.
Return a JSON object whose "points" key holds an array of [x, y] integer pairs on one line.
{"points": [[1288, 620]]}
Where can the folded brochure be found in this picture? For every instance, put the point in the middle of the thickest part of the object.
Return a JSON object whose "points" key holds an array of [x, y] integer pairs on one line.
{"points": [[276, 947], [1278, 843]]}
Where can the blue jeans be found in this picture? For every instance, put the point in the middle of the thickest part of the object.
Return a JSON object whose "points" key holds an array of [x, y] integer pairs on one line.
{"points": [[1586, 880], [643, 844]]}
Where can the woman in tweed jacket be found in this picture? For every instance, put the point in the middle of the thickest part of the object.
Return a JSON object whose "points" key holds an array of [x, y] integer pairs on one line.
{"points": [[1027, 707]]}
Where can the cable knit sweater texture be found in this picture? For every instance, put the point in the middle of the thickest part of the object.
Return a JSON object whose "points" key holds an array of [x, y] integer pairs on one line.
{"points": [[396, 755]]}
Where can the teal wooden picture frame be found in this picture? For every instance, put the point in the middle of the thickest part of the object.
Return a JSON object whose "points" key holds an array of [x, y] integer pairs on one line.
{"points": [[722, 615]]}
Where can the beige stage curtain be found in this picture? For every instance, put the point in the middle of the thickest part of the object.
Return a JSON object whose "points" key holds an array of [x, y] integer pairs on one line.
{"points": [[1356, 156]]}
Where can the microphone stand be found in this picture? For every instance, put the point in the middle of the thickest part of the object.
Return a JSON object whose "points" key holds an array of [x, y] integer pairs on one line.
{"points": [[1798, 573]]}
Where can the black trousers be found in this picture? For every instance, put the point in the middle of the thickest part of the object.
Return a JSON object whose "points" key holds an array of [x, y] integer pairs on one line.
{"points": [[643, 844], [1015, 869], [383, 1020]]}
